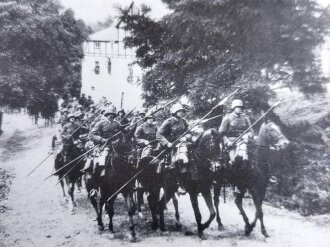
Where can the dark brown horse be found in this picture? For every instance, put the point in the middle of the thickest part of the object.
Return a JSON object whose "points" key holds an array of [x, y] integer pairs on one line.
{"points": [[118, 170], [253, 176], [72, 172]]}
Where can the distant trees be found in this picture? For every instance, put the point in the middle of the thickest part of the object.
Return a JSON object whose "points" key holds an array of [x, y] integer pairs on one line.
{"points": [[40, 54], [204, 47]]}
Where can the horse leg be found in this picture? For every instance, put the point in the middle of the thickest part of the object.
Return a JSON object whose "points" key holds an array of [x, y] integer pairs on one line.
{"points": [[258, 197], [177, 215], [239, 204], [169, 192], [111, 212], [194, 202], [131, 211], [152, 201], [139, 200], [217, 189], [70, 185], [208, 200]]}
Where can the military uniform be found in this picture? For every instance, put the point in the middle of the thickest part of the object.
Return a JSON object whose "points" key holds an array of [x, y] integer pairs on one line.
{"points": [[171, 129], [63, 120], [146, 133], [232, 126], [102, 131]]}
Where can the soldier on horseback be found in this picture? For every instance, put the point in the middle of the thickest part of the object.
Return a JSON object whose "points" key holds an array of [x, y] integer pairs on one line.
{"points": [[170, 130], [232, 126], [101, 133], [145, 136]]}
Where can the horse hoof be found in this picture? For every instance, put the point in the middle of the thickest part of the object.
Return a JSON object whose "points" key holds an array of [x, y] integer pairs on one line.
{"points": [[201, 236], [101, 227], [178, 225], [132, 238], [265, 234], [221, 228], [248, 230], [154, 225]]}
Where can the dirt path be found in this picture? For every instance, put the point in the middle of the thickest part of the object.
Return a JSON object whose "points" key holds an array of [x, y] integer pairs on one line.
{"points": [[37, 216]]}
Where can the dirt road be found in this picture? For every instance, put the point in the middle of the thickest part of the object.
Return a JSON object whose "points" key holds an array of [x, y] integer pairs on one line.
{"points": [[37, 216]]}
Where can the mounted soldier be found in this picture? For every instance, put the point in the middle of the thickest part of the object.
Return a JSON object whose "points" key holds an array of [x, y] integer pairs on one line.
{"points": [[145, 136], [101, 133], [232, 126], [90, 115], [64, 117], [121, 117], [170, 130]]}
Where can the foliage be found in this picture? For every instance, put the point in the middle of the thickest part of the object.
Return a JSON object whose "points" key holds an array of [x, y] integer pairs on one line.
{"points": [[204, 47], [40, 54]]}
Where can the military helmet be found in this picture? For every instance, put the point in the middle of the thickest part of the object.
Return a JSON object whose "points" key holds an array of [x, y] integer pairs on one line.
{"points": [[236, 103], [79, 114], [177, 107], [92, 106], [80, 107], [64, 110], [150, 114], [143, 111], [121, 110], [71, 115], [110, 110]]}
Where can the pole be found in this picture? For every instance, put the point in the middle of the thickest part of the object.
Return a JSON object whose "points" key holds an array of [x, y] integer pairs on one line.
{"points": [[122, 100], [161, 153]]}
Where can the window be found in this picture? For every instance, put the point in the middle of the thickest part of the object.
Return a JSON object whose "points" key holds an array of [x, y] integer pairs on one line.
{"points": [[97, 67], [97, 45]]}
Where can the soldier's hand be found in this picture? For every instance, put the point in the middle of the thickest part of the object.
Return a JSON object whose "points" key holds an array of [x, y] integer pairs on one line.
{"points": [[103, 140], [183, 139], [169, 144], [146, 143]]}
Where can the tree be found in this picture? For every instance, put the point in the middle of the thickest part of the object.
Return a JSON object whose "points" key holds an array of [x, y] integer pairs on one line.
{"points": [[206, 46], [40, 54]]}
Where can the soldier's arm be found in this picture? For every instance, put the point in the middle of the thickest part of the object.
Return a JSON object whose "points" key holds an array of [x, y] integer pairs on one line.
{"points": [[138, 135], [250, 133], [94, 134], [224, 126], [162, 131]]}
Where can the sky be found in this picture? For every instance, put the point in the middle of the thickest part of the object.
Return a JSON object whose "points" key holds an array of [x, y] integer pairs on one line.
{"points": [[92, 11]]}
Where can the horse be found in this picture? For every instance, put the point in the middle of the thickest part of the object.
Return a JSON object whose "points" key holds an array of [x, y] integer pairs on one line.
{"points": [[252, 176], [152, 180], [191, 171], [72, 172], [118, 169]]}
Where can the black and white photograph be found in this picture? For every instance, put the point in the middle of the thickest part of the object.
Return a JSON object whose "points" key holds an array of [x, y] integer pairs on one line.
{"points": [[165, 123]]}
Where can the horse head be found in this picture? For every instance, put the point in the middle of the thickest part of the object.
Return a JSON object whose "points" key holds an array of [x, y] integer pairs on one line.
{"points": [[270, 135]]}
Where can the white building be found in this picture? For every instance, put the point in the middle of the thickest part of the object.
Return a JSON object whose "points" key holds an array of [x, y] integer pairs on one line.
{"points": [[107, 69]]}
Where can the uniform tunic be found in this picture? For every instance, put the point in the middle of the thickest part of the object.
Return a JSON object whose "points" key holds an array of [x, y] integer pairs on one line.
{"points": [[232, 126], [171, 130], [104, 129]]}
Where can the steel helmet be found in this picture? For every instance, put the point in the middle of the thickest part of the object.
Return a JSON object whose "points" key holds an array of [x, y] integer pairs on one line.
{"points": [[79, 114], [71, 115], [92, 106], [177, 107], [64, 110], [121, 110], [150, 114], [80, 107], [236, 103], [143, 111], [110, 110]]}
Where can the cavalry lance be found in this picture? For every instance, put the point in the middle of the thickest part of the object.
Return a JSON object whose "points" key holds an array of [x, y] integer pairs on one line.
{"points": [[35, 168], [165, 150], [258, 120], [109, 139]]}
